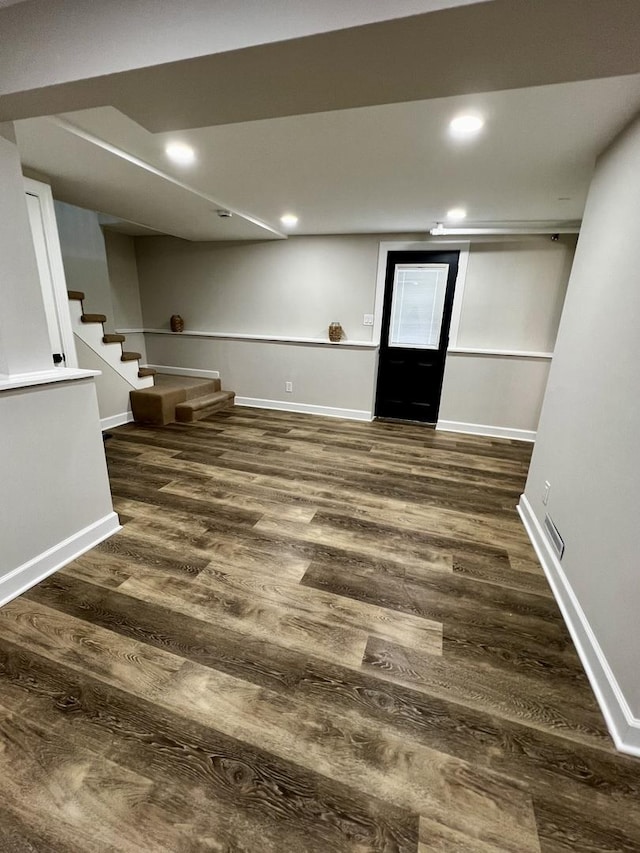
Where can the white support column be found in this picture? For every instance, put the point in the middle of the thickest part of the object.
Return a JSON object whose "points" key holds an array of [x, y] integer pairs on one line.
{"points": [[24, 340]]}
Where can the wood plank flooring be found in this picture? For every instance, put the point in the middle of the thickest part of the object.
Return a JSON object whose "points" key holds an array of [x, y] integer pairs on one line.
{"points": [[310, 636]]}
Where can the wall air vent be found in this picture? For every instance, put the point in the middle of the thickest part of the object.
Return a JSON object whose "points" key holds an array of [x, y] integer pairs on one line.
{"points": [[556, 540]]}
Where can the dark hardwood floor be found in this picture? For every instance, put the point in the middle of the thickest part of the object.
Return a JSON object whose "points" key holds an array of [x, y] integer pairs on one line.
{"points": [[310, 636]]}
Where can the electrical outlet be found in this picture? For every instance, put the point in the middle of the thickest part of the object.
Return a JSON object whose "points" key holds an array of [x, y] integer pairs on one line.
{"points": [[288, 387], [545, 494], [367, 320]]}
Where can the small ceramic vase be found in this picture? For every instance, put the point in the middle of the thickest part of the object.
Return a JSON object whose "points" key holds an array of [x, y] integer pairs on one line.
{"points": [[335, 332]]}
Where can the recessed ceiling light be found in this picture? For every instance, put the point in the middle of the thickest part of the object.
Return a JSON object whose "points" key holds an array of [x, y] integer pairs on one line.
{"points": [[456, 214], [289, 220], [466, 125], [180, 153]]}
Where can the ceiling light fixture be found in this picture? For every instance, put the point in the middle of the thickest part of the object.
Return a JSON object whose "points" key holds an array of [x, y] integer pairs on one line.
{"points": [[289, 220], [465, 126], [180, 153], [495, 228], [456, 214]]}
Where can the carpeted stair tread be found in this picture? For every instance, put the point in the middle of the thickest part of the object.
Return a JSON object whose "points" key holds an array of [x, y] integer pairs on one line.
{"points": [[146, 371], [130, 356], [192, 386], [157, 405], [113, 339], [75, 294], [94, 318], [199, 407]]}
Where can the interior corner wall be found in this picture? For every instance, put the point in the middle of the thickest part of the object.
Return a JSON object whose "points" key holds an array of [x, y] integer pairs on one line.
{"points": [[125, 288], [588, 448], [85, 259], [514, 293], [513, 300]]}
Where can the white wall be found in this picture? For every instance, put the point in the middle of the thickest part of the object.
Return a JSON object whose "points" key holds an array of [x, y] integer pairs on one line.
{"points": [[64, 465], [125, 291], [85, 258], [54, 490], [114, 404], [123, 277], [296, 287], [292, 287], [103, 267], [514, 294], [513, 297], [492, 391], [24, 339], [588, 448]]}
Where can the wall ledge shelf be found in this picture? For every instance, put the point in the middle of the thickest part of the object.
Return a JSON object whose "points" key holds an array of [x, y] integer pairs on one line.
{"points": [[236, 336], [45, 377], [499, 353]]}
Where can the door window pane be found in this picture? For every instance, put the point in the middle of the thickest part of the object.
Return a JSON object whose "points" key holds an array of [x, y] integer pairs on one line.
{"points": [[417, 305]]}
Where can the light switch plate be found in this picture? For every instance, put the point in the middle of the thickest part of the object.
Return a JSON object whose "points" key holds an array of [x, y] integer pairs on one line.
{"points": [[367, 320]]}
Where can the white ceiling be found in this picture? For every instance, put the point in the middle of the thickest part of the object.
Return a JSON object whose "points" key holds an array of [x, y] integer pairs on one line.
{"points": [[72, 40], [389, 168], [340, 118]]}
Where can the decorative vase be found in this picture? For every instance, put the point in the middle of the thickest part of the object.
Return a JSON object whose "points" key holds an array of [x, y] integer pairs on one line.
{"points": [[335, 332], [176, 323]]}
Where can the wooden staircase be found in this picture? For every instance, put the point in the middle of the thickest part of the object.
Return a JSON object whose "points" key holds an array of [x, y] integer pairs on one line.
{"points": [[127, 363]]}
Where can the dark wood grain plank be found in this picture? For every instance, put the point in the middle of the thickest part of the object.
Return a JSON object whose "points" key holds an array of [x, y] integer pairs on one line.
{"points": [[249, 665], [219, 790], [529, 698]]}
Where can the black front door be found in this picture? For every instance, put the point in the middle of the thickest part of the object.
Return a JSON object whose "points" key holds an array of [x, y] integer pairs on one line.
{"points": [[416, 316]]}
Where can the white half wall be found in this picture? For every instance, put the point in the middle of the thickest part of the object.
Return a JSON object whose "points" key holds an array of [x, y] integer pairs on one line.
{"points": [[112, 389], [493, 392], [54, 491], [588, 448], [332, 377]]}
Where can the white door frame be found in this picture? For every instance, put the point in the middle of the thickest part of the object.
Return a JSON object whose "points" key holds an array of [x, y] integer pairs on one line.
{"points": [[54, 256]]}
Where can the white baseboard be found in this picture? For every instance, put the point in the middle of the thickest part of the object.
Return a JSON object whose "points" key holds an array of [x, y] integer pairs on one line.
{"points": [[623, 726], [485, 429], [28, 574], [186, 371], [305, 408], [116, 420]]}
